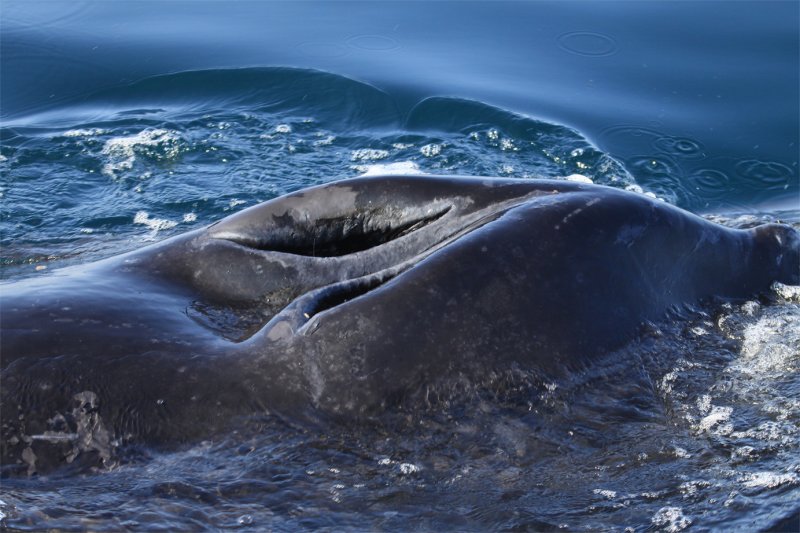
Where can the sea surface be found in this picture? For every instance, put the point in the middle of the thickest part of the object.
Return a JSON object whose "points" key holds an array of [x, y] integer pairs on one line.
{"points": [[124, 123]]}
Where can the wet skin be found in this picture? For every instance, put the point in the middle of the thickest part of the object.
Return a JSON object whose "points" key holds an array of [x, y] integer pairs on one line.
{"points": [[340, 298]]}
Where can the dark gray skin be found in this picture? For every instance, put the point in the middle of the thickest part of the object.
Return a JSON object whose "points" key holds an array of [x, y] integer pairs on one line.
{"points": [[337, 299]]}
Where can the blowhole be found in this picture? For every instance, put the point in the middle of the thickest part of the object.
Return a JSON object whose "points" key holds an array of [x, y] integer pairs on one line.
{"points": [[339, 236]]}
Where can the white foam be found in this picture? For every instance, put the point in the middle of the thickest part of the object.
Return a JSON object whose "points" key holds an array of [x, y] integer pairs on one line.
{"points": [[768, 480], [431, 150], [681, 453], [789, 293], [283, 128], [155, 224], [750, 308], [326, 141], [744, 453], [399, 168], [368, 154], [770, 344], [408, 468], [716, 420], [769, 431], [121, 151], [578, 178], [86, 132], [667, 381], [671, 519], [691, 488], [704, 403], [638, 190], [189, 217], [404, 468], [605, 493], [508, 145]]}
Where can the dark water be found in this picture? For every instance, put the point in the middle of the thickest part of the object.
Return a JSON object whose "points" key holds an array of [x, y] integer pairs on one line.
{"points": [[127, 122]]}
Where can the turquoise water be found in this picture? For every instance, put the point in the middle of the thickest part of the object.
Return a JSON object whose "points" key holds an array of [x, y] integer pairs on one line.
{"points": [[124, 123]]}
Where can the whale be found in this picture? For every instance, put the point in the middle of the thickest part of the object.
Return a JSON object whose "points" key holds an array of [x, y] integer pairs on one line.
{"points": [[342, 299]]}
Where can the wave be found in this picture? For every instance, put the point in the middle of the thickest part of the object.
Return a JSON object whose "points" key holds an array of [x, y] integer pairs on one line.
{"points": [[188, 147]]}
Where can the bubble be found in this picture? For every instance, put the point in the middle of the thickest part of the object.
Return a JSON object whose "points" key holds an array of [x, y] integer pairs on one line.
{"points": [[587, 43], [373, 42]]}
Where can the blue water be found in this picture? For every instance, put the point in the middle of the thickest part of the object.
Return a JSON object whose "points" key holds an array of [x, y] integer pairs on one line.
{"points": [[126, 122]]}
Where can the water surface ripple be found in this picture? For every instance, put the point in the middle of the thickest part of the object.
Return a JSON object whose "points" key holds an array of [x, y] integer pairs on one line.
{"points": [[119, 130]]}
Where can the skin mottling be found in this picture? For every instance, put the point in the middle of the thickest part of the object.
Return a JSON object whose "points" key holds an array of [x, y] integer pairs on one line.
{"points": [[381, 285]]}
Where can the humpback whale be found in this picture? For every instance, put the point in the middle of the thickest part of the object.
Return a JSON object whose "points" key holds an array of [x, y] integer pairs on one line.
{"points": [[340, 298]]}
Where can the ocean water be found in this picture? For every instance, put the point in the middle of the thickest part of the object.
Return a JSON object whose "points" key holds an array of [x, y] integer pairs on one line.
{"points": [[125, 123]]}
